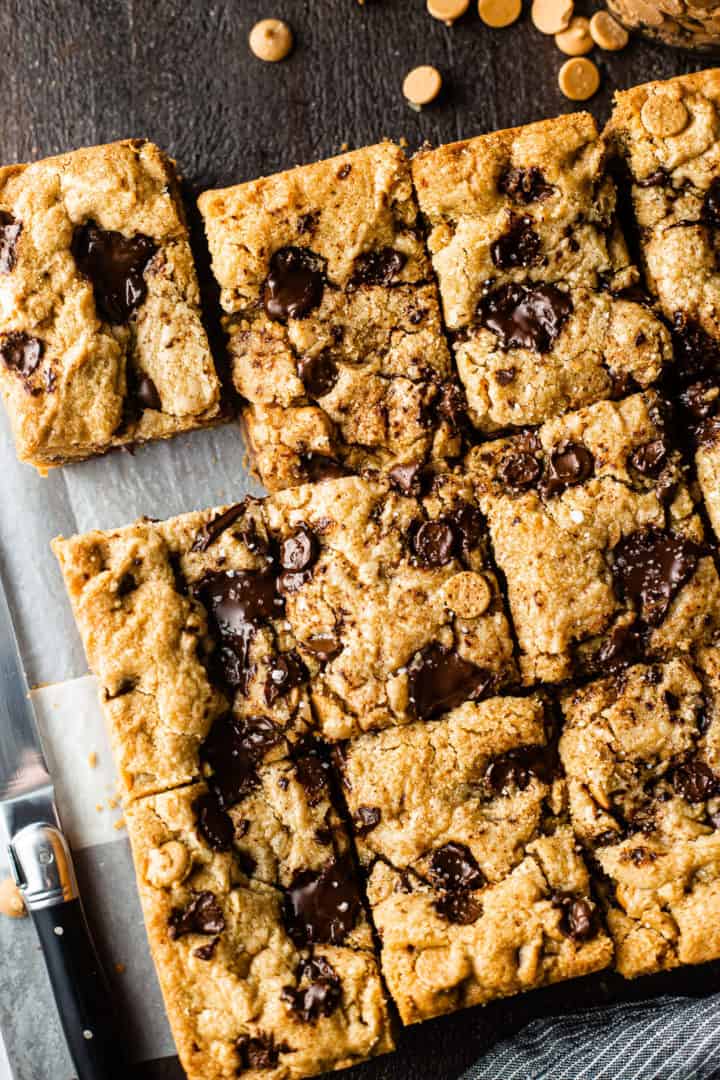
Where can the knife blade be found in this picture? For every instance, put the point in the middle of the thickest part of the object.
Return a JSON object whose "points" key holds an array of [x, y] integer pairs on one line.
{"points": [[41, 864]]}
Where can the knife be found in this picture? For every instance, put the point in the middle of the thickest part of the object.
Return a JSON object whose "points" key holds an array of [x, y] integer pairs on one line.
{"points": [[41, 864]]}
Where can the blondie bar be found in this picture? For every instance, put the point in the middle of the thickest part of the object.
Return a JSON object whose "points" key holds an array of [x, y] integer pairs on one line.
{"points": [[331, 608], [597, 535], [537, 286], [333, 319], [257, 928], [641, 752], [475, 884], [101, 341]]}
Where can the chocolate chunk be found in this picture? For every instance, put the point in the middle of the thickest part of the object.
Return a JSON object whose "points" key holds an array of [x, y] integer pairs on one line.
{"points": [[433, 543], [453, 868], [525, 185], [295, 284], [461, 908], [710, 212], [452, 406], [696, 781], [317, 467], [517, 767], [660, 178], [407, 479], [365, 819], [570, 463], [378, 267], [344, 171], [623, 645], [125, 585], [579, 917], [286, 671], [115, 265], [519, 470], [299, 550], [307, 223], [214, 825], [525, 316], [319, 992], [312, 769], [259, 1051], [696, 353], [10, 230], [468, 525], [651, 566], [238, 601], [147, 394], [322, 906], [206, 952], [505, 376], [700, 400], [519, 245], [203, 915], [324, 646], [439, 680], [318, 374], [21, 353], [234, 749], [649, 459], [217, 526]]}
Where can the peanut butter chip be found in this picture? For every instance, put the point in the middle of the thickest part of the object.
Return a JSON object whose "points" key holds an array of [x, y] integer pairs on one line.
{"points": [[663, 115], [576, 40], [11, 901], [167, 864], [499, 13], [422, 85], [271, 40], [551, 16], [468, 595], [607, 32], [578, 79], [447, 11]]}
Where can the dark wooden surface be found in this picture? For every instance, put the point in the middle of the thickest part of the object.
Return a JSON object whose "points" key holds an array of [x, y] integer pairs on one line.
{"points": [[179, 72]]}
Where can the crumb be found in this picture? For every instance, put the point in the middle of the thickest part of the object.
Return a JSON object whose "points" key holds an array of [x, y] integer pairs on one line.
{"points": [[92, 759], [119, 824], [11, 901]]}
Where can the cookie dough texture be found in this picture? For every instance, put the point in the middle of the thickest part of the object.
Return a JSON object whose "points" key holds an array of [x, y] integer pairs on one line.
{"points": [[689, 24], [333, 319], [534, 275], [248, 991], [332, 608], [641, 752], [597, 535], [76, 379], [472, 870]]}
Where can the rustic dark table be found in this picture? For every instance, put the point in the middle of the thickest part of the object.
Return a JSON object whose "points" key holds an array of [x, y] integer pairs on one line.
{"points": [[179, 72]]}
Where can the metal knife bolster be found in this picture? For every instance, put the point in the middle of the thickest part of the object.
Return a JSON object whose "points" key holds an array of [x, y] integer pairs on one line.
{"points": [[42, 867]]}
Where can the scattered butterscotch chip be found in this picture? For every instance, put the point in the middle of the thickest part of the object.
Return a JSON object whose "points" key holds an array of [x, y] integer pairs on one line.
{"points": [[499, 13], [99, 807], [271, 40], [579, 78], [113, 802], [11, 901], [422, 85], [608, 32], [576, 40], [447, 11], [664, 115], [92, 759], [119, 824], [551, 16]]}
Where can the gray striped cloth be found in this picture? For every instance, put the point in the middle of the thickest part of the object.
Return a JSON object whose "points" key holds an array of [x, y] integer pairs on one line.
{"points": [[668, 1038]]}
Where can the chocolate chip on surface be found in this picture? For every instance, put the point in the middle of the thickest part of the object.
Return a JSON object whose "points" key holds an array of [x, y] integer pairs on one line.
{"points": [[525, 316], [439, 679], [569, 463], [525, 185], [312, 769], [578, 920], [317, 467], [300, 550], [209, 533], [147, 394], [286, 672], [322, 906], [318, 374], [295, 284], [378, 267], [234, 750], [270, 40], [214, 825], [20, 352], [10, 230], [365, 819], [258, 1051], [238, 601], [453, 868], [407, 479], [319, 990], [433, 543], [115, 265], [422, 85], [696, 781], [579, 78], [649, 459], [519, 470], [517, 767], [651, 566], [203, 915], [519, 246]]}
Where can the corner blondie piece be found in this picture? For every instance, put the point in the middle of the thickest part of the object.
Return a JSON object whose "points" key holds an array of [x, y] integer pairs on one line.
{"points": [[536, 283], [332, 608], [596, 533], [257, 928], [333, 319], [475, 884], [101, 341], [641, 752]]}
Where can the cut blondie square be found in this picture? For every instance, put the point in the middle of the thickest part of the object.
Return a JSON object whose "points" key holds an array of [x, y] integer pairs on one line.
{"points": [[256, 925], [475, 882], [329, 609], [641, 752], [101, 340], [333, 319], [537, 287], [597, 535]]}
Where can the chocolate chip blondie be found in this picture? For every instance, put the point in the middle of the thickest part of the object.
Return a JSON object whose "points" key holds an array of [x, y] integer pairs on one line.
{"points": [[333, 319], [641, 751], [475, 882], [597, 535], [256, 924], [101, 340], [538, 290], [331, 609]]}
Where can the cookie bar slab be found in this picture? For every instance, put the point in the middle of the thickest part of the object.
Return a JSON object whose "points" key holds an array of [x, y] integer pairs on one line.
{"points": [[475, 882], [597, 535], [535, 278], [333, 319], [641, 752], [257, 928], [101, 341], [332, 608]]}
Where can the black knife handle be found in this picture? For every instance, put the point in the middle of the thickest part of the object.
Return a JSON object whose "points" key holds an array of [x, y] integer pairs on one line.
{"points": [[81, 991]]}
